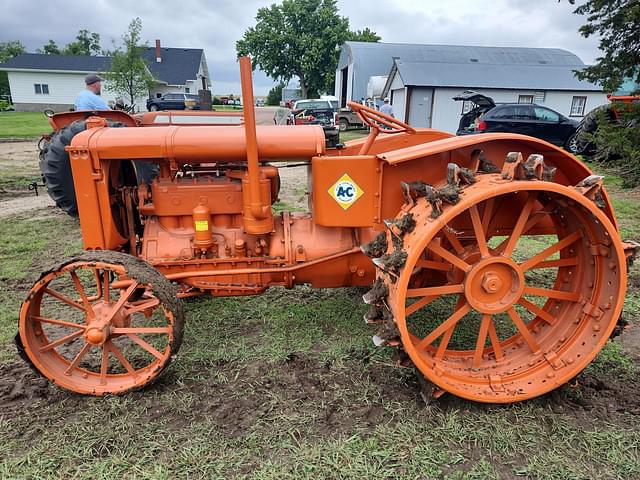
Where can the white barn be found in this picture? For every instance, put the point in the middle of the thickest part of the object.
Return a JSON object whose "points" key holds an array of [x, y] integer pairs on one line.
{"points": [[39, 81], [422, 79]]}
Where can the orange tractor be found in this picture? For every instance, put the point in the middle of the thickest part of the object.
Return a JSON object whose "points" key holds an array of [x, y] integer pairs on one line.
{"points": [[496, 262]]}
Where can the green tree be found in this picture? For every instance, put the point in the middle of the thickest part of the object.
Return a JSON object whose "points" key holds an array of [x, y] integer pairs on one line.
{"points": [[365, 35], [8, 50], [129, 75], [275, 95], [617, 24], [50, 48], [299, 38], [86, 43]]}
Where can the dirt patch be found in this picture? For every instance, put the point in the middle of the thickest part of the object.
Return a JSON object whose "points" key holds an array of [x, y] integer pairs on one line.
{"points": [[238, 397]]}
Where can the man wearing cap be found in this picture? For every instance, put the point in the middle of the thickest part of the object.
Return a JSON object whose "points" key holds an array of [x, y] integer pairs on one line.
{"points": [[89, 98], [386, 108]]}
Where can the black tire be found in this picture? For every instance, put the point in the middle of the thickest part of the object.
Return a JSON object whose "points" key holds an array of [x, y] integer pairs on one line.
{"points": [[343, 124], [153, 107], [56, 168]]}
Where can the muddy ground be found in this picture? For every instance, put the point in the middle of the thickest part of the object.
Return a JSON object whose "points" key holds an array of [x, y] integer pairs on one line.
{"points": [[287, 385]]}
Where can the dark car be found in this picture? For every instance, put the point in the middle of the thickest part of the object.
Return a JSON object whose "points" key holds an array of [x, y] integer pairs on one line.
{"points": [[525, 118], [173, 101]]}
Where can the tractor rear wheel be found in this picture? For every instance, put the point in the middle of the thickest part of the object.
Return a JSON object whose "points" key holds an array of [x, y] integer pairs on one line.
{"points": [[101, 323], [510, 292], [56, 169]]}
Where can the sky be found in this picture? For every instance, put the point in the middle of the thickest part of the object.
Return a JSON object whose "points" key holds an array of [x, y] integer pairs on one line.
{"points": [[216, 25]]}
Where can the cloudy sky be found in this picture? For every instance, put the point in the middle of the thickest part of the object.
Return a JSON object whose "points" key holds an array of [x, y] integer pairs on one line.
{"points": [[215, 25]]}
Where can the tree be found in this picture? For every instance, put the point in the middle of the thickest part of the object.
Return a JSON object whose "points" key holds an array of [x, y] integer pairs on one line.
{"points": [[365, 35], [299, 38], [275, 95], [8, 50], [129, 75], [86, 43], [617, 23], [50, 48]]}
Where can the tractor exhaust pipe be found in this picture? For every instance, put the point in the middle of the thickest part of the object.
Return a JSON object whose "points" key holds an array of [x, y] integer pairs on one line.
{"points": [[257, 208]]}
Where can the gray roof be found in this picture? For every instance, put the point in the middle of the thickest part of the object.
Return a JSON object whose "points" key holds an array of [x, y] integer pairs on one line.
{"points": [[372, 59], [39, 61], [478, 75], [178, 64]]}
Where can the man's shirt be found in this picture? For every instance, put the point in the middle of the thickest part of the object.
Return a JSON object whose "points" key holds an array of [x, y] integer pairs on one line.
{"points": [[87, 100], [386, 109]]}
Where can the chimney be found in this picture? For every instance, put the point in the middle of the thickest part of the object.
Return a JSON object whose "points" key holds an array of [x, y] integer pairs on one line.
{"points": [[158, 56]]}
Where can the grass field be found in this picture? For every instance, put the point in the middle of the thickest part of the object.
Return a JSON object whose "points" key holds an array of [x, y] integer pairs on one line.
{"points": [[289, 385], [23, 124]]}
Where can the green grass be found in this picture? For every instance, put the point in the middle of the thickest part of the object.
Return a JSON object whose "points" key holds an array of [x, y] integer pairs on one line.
{"points": [[352, 135], [288, 385], [23, 124]]}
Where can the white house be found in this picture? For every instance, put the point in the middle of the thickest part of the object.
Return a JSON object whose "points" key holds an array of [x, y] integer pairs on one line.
{"points": [[422, 79], [38, 81]]}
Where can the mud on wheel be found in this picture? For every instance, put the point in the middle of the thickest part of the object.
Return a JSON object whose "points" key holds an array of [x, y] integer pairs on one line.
{"points": [[103, 322], [508, 293]]}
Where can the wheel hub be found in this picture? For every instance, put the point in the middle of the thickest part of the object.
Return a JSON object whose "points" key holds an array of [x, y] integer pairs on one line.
{"points": [[493, 285]]}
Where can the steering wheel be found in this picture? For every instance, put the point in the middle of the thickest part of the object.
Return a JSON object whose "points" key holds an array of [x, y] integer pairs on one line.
{"points": [[373, 117]]}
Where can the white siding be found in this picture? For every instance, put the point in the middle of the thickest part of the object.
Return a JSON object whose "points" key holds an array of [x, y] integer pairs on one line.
{"points": [[446, 112], [63, 87]]}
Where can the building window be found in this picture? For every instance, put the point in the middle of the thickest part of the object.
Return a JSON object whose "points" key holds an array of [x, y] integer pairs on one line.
{"points": [[467, 106], [186, 90], [538, 97], [525, 98], [41, 88], [577, 106]]}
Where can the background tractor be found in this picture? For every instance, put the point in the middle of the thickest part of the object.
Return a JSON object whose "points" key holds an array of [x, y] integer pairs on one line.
{"points": [[496, 262]]}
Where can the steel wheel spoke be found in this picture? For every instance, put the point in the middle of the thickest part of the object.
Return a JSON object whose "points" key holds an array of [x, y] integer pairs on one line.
{"points": [[104, 365], [149, 348], [83, 296], [444, 342], [105, 286], [78, 359], [557, 294], [139, 307], [122, 359], [486, 216], [562, 262], [495, 342], [61, 323], [449, 257], [432, 265], [435, 291], [123, 298], [414, 307], [446, 338], [482, 339], [61, 341], [455, 243], [533, 308], [479, 231], [547, 252], [64, 299], [444, 326], [96, 274], [518, 229], [140, 330], [534, 219], [524, 331]]}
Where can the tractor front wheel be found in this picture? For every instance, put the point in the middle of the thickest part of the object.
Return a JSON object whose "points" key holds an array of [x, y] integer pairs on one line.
{"points": [[101, 323]]}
